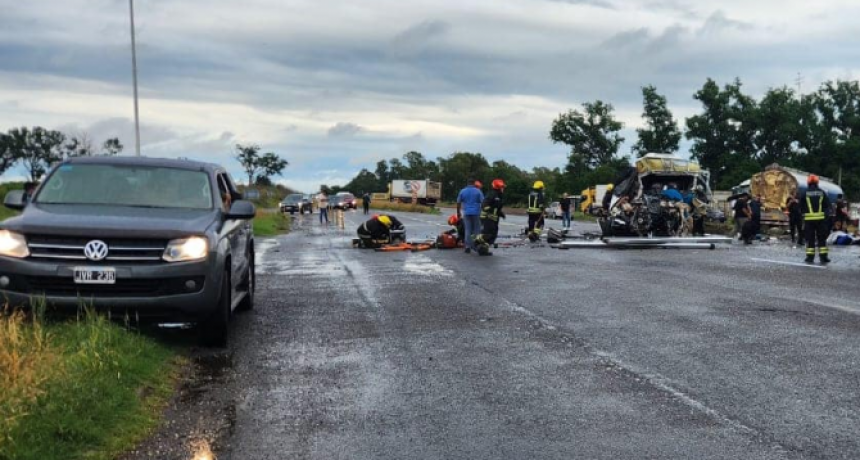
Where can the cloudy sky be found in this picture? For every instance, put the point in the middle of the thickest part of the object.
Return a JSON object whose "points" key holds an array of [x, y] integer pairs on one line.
{"points": [[334, 86]]}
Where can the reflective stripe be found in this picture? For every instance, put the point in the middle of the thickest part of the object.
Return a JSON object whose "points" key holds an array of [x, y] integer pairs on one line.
{"points": [[533, 204], [814, 215], [823, 250], [810, 251]]}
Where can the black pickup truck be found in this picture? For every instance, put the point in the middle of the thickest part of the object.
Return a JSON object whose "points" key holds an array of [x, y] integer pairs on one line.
{"points": [[166, 240]]}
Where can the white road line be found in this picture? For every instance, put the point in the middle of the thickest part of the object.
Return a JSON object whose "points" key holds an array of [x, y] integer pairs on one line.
{"points": [[782, 262]]}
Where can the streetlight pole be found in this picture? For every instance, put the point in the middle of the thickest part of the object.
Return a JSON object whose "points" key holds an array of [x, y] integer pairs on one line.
{"points": [[134, 77]]}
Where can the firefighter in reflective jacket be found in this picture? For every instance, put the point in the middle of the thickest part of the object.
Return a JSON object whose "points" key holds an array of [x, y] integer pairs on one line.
{"points": [[491, 211], [537, 204], [814, 205], [377, 231]]}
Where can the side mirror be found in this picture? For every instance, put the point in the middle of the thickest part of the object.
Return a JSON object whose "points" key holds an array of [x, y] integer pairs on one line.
{"points": [[15, 200], [242, 210]]}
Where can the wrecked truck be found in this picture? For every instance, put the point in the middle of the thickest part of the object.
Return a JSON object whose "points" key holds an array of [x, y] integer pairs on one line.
{"points": [[639, 207]]}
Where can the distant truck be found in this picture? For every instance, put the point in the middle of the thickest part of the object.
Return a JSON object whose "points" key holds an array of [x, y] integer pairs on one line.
{"points": [[776, 183], [425, 191], [592, 197]]}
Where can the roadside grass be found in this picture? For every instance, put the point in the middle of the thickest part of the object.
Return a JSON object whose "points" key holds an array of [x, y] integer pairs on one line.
{"points": [[404, 207], [84, 388], [271, 223], [6, 213]]}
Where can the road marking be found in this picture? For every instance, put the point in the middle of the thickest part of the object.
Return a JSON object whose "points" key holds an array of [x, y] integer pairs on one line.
{"points": [[794, 264]]}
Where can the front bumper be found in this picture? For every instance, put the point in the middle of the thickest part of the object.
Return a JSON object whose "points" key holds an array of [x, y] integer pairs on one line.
{"points": [[156, 291]]}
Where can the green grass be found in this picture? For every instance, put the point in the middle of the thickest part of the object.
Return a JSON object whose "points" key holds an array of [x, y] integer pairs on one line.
{"points": [[271, 223], [87, 388], [6, 213]]}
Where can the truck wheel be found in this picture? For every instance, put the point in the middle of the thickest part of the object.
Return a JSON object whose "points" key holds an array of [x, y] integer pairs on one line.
{"points": [[247, 303], [214, 330]]}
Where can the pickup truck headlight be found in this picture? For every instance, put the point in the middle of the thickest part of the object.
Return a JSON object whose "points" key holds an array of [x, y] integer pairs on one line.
{"points": [[13, 245], [186, 249]]}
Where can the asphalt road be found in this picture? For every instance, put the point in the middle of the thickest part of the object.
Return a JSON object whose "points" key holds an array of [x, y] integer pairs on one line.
{"points": [[737, 353]]}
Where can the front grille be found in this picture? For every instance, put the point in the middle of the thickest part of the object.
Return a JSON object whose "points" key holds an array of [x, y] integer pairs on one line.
{"points": [[119, 249], [58, 286]]}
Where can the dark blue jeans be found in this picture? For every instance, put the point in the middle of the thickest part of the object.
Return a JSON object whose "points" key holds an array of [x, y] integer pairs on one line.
{"points": [[473, 229], [323, 215], [565, 219]]}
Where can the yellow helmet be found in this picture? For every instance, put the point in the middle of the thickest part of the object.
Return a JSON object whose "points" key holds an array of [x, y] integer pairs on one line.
{"points": [[385, 220], [538, 185], [610, 187]]}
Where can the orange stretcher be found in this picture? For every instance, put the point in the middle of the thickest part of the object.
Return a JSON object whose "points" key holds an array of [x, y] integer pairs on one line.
{"points": [[413, 247]]}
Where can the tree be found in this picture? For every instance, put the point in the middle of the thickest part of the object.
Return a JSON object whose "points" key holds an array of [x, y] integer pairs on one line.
{"points": [[249, 157], [364, 181], [459, 167], [724, 134], [661, 134], [778, 128], [112, 147], [36, 148], [592, 134], [254, 164], [397, 169], [7, 157], [271, 165], [383, 177]]}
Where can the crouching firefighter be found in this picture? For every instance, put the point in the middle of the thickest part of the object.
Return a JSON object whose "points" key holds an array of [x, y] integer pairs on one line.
{"points": [[452, 238], [814, 206], [491, 211], [377, 231], [537, 203]]}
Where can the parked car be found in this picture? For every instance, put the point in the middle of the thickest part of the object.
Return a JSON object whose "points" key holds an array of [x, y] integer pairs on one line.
{"points": [[343, 200], [144, 238], [297, 202], [715, 215], [553, 211]]}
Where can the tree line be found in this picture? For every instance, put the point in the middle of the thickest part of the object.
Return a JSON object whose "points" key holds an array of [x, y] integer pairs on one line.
{"points": [[38, 148], [734, 136]]}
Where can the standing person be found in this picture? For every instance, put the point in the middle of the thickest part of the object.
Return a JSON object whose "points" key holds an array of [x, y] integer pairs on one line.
{"points": [[365, 201], [469, 209], [814, 205], [795, 219], [753, 224], [741, 207], [565, 211], [322, 203], [537, 204], [841, 218], [491, 211]]}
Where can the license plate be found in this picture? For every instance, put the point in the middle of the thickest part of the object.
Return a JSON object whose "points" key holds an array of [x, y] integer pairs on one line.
{"points": [[95, 275]]}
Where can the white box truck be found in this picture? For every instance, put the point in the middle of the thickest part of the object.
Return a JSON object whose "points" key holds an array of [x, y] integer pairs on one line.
{"points": [[425, 191]]}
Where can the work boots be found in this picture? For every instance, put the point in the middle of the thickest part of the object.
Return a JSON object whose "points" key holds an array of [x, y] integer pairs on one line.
{"points": [[824, 259], [810, 259]]}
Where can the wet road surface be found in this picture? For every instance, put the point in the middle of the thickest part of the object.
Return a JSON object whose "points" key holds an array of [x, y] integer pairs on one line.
{"points": [[739, 353]]}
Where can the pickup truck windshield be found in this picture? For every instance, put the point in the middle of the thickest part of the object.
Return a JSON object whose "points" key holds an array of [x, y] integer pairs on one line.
{"points": [[294, 199], [119, 185]]}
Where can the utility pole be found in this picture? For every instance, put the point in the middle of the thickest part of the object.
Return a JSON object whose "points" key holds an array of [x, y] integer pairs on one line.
{"points": [[799, 82], [134, 78]]}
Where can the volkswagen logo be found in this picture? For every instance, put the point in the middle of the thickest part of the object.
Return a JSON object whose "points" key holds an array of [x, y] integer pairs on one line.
{"points": [[96, 250]]}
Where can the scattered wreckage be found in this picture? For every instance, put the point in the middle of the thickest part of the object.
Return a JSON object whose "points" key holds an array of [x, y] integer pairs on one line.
{"points": [[649, 200]]}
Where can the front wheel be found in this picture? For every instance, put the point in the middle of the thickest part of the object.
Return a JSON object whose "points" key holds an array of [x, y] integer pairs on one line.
{"points": [[214, 330], [247, 303]]}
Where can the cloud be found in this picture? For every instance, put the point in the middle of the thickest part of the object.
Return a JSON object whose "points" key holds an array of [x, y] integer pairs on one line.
{"points": [[342, 129], [434, 77]]}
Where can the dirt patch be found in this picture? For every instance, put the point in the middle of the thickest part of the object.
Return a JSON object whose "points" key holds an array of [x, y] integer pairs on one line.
{"points": [[201, 414]]}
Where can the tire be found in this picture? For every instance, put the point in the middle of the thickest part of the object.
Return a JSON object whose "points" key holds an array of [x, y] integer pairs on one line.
{"points": [[214, 330], [247, 304]]}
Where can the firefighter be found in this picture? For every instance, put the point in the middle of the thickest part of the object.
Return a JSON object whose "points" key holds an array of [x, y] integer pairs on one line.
{"points": [[452, 238], [537, 204], [814, 204], [377, 231], [491, 211]]}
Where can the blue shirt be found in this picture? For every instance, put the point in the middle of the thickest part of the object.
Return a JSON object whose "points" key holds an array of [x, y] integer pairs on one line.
{"points": [[471, 199], [672, 194]]}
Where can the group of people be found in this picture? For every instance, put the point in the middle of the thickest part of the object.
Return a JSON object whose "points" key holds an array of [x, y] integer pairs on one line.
{"points": [[809, 215], [323, 205], [478, 216]]}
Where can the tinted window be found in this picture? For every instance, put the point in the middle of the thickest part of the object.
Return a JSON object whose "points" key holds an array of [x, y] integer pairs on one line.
{"points": [[127, 186]]}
